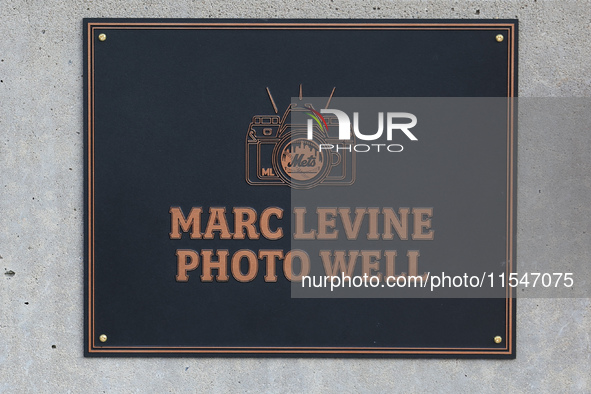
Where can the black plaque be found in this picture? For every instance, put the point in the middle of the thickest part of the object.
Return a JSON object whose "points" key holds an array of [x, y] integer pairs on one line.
{"points": [[172, 112]]}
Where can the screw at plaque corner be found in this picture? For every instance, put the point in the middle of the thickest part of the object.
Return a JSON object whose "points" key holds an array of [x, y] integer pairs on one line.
{"points": [[103, 338], [102, 37], [498, 339], [499, 38]]}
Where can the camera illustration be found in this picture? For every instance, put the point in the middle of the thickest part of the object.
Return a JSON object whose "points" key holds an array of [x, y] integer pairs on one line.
{"points": [[278, 151]]}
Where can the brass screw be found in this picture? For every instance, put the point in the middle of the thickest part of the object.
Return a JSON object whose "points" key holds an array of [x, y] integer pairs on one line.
{"points": [[498, 339], [102, 37], [103, 338], [499, 38]]}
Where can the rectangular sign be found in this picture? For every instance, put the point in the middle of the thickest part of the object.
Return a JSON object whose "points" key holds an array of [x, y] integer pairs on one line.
{"points": [[300, 188]]}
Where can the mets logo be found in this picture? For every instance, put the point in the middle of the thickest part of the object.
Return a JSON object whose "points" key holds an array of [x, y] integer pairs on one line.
{"points": [[279, 152]]}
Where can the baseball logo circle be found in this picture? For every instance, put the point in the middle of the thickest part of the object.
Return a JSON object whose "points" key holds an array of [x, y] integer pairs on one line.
{"points": [[299, 161]]}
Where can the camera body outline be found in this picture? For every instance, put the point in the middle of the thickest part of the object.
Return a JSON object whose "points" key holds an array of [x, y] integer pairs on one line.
{"points": [[268, 155]]}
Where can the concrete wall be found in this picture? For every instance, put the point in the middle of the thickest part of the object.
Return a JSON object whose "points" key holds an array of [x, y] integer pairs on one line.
{"points": [[41, 229]]}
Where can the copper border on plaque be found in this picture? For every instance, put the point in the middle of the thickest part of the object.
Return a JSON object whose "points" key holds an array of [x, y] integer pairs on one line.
{"points": [[508, 27]]}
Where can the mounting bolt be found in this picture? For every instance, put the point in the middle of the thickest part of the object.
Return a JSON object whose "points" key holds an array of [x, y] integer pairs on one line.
{"points": [[498, 339], [499, 38], [103, 338], [103, 37]]}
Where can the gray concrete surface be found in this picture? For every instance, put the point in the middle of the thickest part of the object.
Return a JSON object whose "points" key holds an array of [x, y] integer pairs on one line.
{"points": [[41, 231]]}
